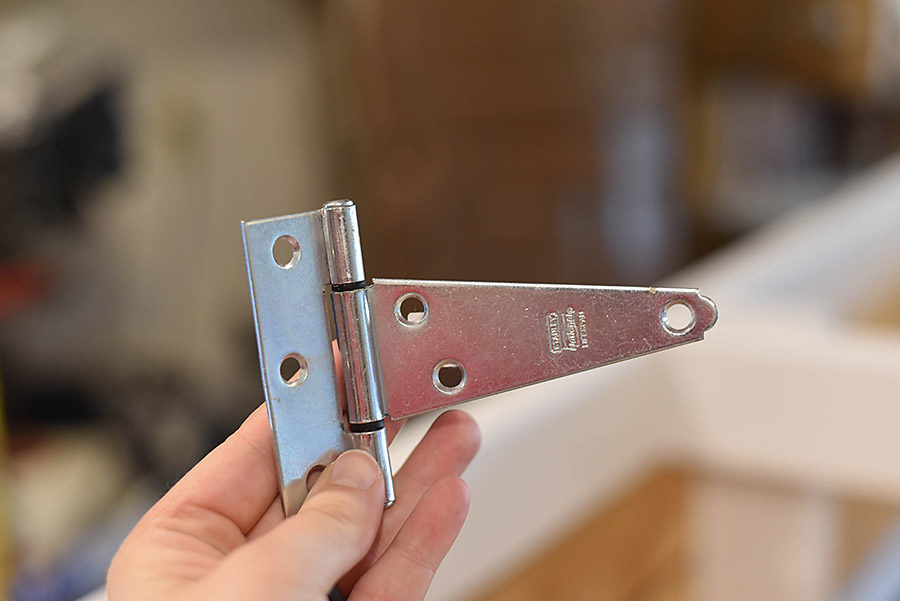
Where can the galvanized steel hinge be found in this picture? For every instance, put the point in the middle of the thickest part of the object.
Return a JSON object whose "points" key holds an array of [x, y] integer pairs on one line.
{"points": [[340, 356]]}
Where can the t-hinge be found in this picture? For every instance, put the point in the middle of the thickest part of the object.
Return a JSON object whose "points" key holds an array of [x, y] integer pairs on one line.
{"points": [[404, 347]]}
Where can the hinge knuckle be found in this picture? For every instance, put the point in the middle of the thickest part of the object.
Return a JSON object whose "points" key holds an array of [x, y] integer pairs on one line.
{"points": [[375, 443], [342, 245], [353, 325]]}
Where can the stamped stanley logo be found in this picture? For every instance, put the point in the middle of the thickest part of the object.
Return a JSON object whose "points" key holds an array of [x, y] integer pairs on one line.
{"points": [[567, 330]]}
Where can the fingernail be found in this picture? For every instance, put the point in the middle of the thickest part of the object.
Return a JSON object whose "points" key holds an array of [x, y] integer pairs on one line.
{"points": [[356, 469]]}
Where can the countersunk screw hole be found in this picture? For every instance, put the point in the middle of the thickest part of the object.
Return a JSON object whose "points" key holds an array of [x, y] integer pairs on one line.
{"points": [[449, 376], [678, 317], [411, 310], [293, 369], [286, 251]]}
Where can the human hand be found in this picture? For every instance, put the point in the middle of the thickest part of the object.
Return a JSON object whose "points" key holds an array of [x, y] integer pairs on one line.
{"points": [[220, 532]]}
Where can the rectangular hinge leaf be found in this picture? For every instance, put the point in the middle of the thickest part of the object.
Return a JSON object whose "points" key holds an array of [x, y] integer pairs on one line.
{"points": [[291, 316]]}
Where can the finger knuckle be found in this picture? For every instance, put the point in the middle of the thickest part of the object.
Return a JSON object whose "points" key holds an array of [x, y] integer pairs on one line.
{"points": [[418, 561]]}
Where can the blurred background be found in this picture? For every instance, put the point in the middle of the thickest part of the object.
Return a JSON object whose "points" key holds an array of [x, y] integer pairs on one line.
{"points": [[575, 141]]}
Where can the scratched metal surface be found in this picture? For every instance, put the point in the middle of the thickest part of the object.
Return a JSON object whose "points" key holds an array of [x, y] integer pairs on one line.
{"points": [[510, 335]]}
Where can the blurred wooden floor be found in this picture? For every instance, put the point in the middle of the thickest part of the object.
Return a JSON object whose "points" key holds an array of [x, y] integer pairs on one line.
{"points": [[639, 548], [633, 550]]}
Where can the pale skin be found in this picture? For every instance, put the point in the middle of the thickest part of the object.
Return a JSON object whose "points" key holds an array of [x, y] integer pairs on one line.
{"points": [[220, 532]]}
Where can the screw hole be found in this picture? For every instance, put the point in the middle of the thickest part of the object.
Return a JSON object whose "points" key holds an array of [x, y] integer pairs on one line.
{"points": [[286, 251], [678, 317], [294, 369], [449, 376], [312, 475], [411, 310]]}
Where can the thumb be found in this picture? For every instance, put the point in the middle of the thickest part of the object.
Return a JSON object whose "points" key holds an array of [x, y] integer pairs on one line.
{"points": [[331, 533]]}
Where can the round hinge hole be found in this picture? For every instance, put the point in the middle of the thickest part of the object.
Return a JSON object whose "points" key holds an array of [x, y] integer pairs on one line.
{"points": [[449, 376], [678, 317], [312, 475], [411, 309], [294, 369], [286, 251]]}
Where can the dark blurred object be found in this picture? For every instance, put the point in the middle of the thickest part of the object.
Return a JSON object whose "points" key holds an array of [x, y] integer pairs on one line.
{"points": [[783, 101], [508, 141], [821, 44], [21, 284], [60, 130], [602, 141], [60, 137], [843, 49]]}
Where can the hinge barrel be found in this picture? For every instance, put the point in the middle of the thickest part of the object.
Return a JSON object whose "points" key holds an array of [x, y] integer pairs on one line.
{"points": [[356, 337]]}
